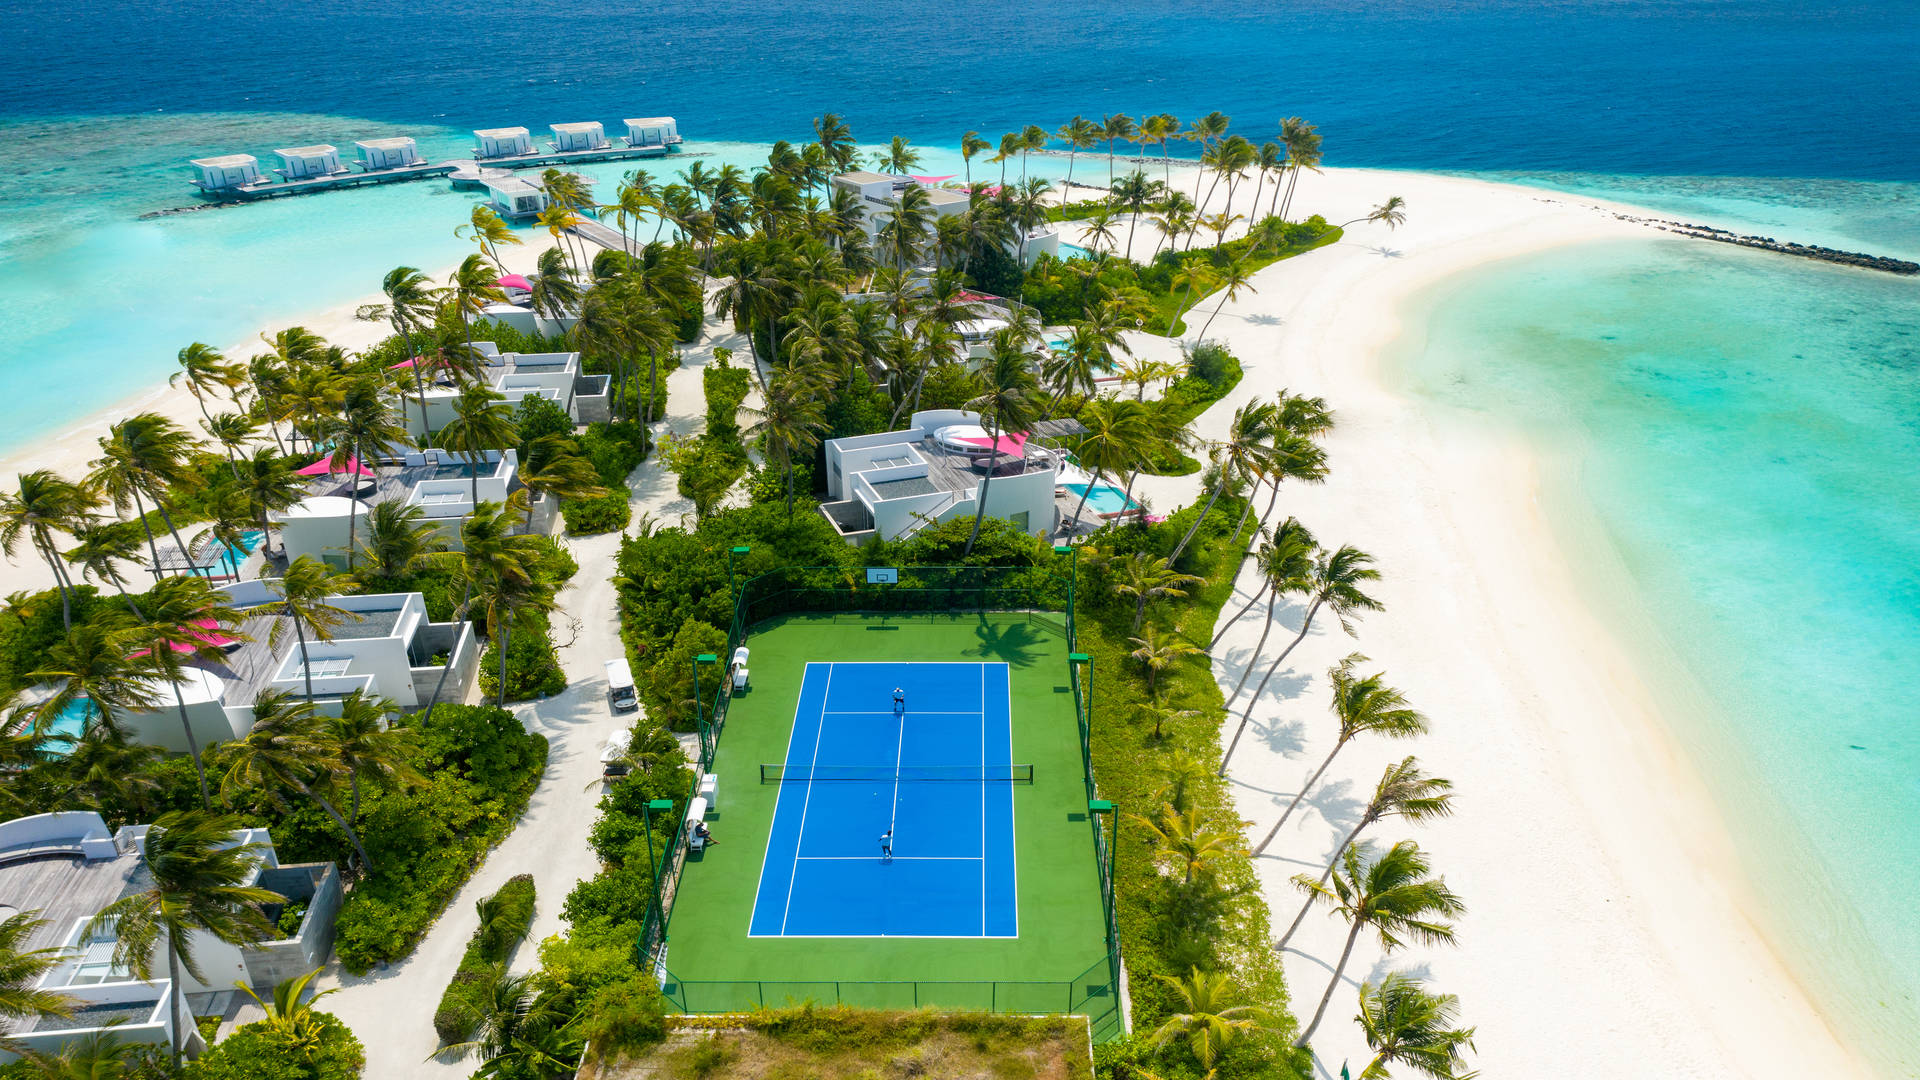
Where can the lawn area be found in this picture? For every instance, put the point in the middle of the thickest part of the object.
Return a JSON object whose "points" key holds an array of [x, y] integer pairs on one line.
{"points": [[1057, 958]]}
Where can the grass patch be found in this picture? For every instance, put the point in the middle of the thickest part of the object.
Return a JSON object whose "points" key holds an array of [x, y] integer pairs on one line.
{"points": [[832, 1044]]}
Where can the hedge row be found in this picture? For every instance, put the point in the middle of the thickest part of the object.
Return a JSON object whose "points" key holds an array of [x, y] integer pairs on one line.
{"points": [[505, 918]]}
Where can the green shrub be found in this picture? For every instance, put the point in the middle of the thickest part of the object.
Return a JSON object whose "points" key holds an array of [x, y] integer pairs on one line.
{"points": [[533, 667], [725, 388], [601, 514], [262, 1051], [625, 1017], [670, 674], [537, 417], [504, 920], [481, 767], [615, 449]]}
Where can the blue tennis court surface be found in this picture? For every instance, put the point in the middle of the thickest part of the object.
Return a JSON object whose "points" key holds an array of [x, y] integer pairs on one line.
{"points": [[936, 774]]}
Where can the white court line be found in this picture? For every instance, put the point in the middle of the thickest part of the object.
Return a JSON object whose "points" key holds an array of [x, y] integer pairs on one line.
{"points": [[896, 858], [983, 800], [889, 712], [819, 727], [899, 751], [767, 856]]}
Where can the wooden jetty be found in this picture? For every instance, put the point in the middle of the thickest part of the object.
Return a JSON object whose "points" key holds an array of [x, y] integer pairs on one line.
{"points": [[606, 236], [309, 185]]}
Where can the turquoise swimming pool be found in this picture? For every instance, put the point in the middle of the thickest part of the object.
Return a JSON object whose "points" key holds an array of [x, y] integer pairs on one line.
{"points": [[1074, 251], [71, 723], [229, 557], [1106, 499]]}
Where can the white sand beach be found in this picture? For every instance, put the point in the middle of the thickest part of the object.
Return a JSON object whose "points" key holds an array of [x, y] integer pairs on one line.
{"points": [[1608, 932]]}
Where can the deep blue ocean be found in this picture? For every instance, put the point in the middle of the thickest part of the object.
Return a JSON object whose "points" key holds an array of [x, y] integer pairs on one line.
{"points": [[1742, 426]]}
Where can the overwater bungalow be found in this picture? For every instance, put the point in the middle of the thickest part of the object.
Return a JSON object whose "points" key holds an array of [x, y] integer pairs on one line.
{"points": [[395, 153], [309, 162], [512, 197], [502, 143], [229, 172], [569, 138], [652, 131]]}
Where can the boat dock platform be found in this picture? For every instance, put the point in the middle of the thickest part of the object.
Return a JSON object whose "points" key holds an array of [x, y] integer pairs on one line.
{"points": [[270, 189], [606, 236]]}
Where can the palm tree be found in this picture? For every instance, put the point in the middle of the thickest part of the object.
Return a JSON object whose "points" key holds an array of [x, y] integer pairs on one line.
{"points": [[836, 139], [21, 969], [288, 1014], [1208, 1020], [1241, 453], [1098, 230], [1114, 127], [1392, 895], [486, 228], [1233, 278], [96, 1056], [98, 551], [1195, 273], [146, 454], [1007, 401], [365, 431], [1157, 130], [1147, 577], [1303, 152], [556, 294], [1404, 791], [1079, 134], [310, 396], [1161, 715], [970, 144], [1192, 843], [1204, 131], [91, 664], [1392, 214], [1285, 555], [288, 750], [1032, 137], [488, 550], [361, 739], [193, 885], [205, 372], [1363, 705], [1009, 146], [303, 593], [42, 504], [521, 1031], [790, 421], [183, 617], [482, 421], [1118, 434], [470, 288], [1157, 656], [409, 308], [111, 776], [1406, 1025], [553, 468], [399, 538], [1334, 583], [232, 431], [268, 483], [510, 602]]}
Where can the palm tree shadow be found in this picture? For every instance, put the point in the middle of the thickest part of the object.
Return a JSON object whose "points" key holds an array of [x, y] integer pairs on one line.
{"points": [[1337, 804], [1386, 252], [1016, 644], [1286, 686], [1264, 319], [1286, 739]]}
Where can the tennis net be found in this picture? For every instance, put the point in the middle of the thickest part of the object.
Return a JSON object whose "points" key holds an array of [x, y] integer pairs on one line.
{"points": [[789, 774]]}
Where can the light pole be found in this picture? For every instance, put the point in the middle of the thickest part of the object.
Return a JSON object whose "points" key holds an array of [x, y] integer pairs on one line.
{"points": [[1095, 808], [699, 708], [653, 865], [733, 589], [1072, 553]]}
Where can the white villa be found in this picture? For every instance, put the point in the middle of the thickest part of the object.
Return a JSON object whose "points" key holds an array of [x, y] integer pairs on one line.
{"points": [[506, 142], [653, 131], [309, 162], [880, 194], [513, 198], [554, 376], [570, 138], [386, 646], [395, 153], [68, 866], [440, 482], [894, 483], [228, 172]]}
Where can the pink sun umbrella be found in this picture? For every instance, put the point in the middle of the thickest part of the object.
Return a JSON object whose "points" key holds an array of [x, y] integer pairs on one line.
{"points": [[325, 467], [515, 281]]}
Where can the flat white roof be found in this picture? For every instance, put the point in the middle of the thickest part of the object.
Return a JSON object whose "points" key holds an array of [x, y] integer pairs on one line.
{"points": [[511, 185], [307, 151], [397, 143], [585, 125], [860, 177], [499, 133], [227, 161], [651, 121]]}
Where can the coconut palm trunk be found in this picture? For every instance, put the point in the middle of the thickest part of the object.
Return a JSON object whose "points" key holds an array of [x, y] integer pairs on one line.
{"points": [[352, 837], [193, 744], [1082, 504], [1225, 472], [306, 662], [1297, 638], [1297, 796], [1241, 614], [1346, 953], [1325, 873], [1273, 601]]}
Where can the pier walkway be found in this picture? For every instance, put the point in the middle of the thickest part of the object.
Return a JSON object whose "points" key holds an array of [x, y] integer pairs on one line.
{"points": [[606, 236]]}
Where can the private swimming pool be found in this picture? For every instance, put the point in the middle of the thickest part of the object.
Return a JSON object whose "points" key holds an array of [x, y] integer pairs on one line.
{"points": [[1105, 500]]}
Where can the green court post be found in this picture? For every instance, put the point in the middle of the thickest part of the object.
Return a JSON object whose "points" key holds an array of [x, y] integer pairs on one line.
{"points": [[732, 589], [699, 709], [1072, 552], [653, 865], [1097, 807]]}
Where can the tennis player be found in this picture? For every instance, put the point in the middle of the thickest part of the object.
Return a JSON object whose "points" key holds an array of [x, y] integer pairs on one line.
{"points": [[899, 700], [886, 846]]}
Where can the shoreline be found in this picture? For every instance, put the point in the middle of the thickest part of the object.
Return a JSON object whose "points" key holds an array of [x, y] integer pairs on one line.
{"points": [[1594, 861]]}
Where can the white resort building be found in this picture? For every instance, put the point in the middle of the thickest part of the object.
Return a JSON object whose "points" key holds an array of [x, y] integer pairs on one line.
{"points": [[554, 376], [513, 198], [892, 484], [440, 482], [574, 138], [67, 866], [490, 143], [880, 195], [653, 131], [309, 162], [229, 172], [395, 153]]}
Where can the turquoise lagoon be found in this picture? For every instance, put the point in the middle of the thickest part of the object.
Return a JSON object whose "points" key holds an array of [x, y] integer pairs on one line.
{"points": [[1729, 443]]}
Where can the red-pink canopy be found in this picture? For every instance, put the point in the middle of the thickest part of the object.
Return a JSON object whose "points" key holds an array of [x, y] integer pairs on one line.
{"points": [[407, 363], [934, 179], [1013, 443], [324, 467], [206, 633], [515, 281]]}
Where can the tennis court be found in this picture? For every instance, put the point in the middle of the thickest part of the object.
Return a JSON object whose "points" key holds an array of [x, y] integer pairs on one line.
{"points": [[908, 933], [894, 818]]}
